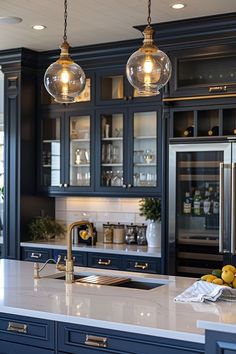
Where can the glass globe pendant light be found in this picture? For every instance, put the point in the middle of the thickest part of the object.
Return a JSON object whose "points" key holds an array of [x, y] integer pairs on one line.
{"points": [[148, 69], [64, 79]]}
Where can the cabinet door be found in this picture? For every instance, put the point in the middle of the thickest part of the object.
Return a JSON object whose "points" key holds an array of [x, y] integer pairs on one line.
{"points": [[51, 152], [111, 157], [203, 73], [145, 147], [12, 348], [220, 342], [79, 155], [111, 86]]}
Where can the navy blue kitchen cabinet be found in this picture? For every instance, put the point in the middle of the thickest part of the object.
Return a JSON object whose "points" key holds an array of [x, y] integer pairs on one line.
{"points": [[75, 339], [128, 153], [212, 121], [118, 153], [20, 334], [113, 88], [102, 260], [66, 153], [220, 342], [36, 254]]}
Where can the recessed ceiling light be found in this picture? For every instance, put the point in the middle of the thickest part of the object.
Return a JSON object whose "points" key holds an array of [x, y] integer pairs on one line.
{"points": [[178, 6], [38, 27], [9, 20]]}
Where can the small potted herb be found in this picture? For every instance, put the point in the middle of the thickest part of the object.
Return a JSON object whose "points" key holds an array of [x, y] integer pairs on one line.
{"points": [[45, 228], [150, 208]]}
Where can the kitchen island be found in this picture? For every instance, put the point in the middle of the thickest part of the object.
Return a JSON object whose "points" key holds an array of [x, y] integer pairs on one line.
{"points": [[79, 311]]}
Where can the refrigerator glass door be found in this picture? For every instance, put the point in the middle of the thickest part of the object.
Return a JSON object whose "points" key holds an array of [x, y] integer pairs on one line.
{"points": [[194, 206]]}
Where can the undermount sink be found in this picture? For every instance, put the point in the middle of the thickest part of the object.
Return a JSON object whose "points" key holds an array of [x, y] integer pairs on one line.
{"points": [[129, 282]]}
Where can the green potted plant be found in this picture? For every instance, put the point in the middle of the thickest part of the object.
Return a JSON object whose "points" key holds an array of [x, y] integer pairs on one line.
{"points": [[150, 208], [44, 228]]}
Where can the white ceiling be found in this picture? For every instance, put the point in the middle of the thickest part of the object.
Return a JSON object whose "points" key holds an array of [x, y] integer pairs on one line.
{"points": [[92, 21]]}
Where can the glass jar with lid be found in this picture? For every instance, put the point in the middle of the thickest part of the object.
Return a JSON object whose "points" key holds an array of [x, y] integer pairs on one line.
{"points": [[130, 235], [107, 233], [141, 235], [118, 233]]}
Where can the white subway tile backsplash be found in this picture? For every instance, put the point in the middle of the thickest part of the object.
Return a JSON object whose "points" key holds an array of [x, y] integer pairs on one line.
{"points": [[98, 211]]}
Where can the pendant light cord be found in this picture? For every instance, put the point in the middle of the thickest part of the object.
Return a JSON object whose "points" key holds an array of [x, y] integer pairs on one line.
{"points": [[65, 21], [149, 13]]}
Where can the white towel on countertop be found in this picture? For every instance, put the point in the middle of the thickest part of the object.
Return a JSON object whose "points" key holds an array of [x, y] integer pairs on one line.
{"points": [[203, 290]]}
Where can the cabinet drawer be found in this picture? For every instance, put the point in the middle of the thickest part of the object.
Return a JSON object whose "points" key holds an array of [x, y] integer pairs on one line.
{"points": [[26, 330], [104, 260], [36, 254], [80, 258], [142, 264], [82, 339]]}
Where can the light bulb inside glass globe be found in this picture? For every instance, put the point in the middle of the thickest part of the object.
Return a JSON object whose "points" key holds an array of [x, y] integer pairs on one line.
{"points": [[148, 69], [148, 64], [64, 79]]}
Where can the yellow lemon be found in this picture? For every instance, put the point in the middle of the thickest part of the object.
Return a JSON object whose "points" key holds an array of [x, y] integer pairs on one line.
{"points": [[218, 281], [229, 267], [227, 276], [204, 277], [210, 278], [234, 283]]}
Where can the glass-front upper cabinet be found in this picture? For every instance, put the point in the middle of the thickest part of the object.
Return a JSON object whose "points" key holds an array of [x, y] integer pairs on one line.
{"points": [[80, 168], [145, 149], [112, 149], [129, 151], [203, 72], [51, 151], [112, 87]]}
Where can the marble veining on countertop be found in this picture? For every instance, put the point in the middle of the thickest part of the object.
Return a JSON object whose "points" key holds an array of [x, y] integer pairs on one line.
{"points": [[134, 250], [152, 312]]}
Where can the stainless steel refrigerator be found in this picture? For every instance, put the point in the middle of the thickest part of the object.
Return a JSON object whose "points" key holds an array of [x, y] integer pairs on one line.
{"points": [[201, 208]]}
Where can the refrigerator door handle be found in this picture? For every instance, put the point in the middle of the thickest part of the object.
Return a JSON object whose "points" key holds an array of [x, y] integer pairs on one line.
{"points": [[233, 210], [221, 216]]}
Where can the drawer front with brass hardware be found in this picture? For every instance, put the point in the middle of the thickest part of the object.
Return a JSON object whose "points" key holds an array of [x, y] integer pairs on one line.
{"points": [[35, 254], [80, 339], [26, 330], [142, 264], [106, 261]]}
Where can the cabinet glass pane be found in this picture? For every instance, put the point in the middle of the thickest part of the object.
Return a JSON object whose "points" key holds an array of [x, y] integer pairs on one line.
{"points": [[112, 87], [144, 149], [112, 149], [80, 151], [206, 71], [197, 201], [85, 95], [51, 152]]}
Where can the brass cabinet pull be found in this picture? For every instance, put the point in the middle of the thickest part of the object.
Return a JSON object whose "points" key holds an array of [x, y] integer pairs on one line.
{"points": [[106, 263], [96, 341], [217, 89], [141, 266], [17, 327], [36, 255]]}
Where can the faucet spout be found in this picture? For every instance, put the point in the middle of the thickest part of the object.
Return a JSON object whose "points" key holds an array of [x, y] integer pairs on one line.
{"points": [[69, 259]]}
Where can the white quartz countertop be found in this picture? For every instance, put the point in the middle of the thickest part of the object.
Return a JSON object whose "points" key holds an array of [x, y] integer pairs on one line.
{"points": [[151, 312], [134, 250]]}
